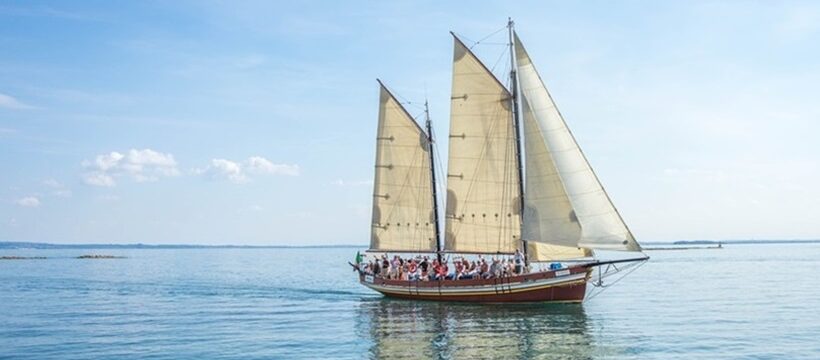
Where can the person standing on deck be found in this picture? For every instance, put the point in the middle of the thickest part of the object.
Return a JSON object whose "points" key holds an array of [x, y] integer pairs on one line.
{"points": [[519, 262], [377, 269], [423, 266], [385, 267]]}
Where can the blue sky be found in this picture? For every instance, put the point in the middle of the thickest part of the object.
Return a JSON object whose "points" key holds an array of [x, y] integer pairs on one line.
{"points": [[253, 122]]}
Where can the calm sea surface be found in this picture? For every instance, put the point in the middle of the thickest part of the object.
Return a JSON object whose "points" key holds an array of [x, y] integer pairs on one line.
{"points": [[745, 301]]}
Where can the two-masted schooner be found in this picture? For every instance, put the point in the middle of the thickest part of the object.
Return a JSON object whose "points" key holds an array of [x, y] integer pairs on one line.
{"points": [[515, 179]]}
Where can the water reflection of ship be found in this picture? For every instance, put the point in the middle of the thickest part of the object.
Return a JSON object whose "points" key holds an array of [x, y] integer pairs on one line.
{"points": [[408, 329]]}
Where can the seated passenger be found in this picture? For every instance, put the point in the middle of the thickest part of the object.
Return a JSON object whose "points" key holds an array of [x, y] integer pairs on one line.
{"points": [[413, 271], [493, 269], [472, 273], [441, 272], [458, 270], [461, 273], [504, 268]]}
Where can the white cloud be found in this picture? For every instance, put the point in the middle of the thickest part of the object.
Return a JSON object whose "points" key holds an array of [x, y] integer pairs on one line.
{"points": [[141, 165], [238, 173], [151, 157], [149, 165], [260, 165], [29, 202], [58, 189], [97, 178], [104, 162], [229, 170], [9, 102]]}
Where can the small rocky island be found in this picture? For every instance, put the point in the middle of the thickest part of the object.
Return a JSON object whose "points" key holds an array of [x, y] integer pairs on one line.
{"points": [[95, 256]]}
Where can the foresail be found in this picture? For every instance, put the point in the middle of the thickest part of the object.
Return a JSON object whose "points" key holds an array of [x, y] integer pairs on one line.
{"points": [[402, 189], [482, 180], [537, 251], [600, 224], [548, 214]]}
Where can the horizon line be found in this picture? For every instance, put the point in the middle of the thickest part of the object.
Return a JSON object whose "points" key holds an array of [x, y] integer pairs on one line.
{"points": [[7, 244]]}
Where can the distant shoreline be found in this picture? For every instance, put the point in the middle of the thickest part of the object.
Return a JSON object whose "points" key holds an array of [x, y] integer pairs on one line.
{"points": [[46, 246], [731, 242], [8, 245]]}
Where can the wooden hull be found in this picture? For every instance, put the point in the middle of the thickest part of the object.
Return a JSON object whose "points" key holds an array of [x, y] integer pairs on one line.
{"points": [[564, 285]]}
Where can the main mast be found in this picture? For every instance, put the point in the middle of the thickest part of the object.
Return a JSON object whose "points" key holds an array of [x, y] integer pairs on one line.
{"points": [[516, 124], [429, 126]]}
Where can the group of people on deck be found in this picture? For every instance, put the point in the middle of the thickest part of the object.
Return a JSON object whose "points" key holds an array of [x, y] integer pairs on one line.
{"points": [[421, 268]]}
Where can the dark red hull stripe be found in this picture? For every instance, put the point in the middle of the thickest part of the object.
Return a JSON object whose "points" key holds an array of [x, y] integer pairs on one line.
{"points": [[565, 293], [564, 285]]}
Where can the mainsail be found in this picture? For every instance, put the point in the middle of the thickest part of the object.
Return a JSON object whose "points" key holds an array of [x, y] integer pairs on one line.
{"points": [[565, 203], [403, 217], [482, 181]]}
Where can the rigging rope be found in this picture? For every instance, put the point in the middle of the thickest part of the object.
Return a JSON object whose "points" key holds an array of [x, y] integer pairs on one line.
{"points": [[484, 38], [404, 100], [499, 60], [632, 267]]}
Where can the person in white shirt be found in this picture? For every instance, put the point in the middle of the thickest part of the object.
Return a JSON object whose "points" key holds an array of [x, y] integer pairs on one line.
{"points": [[519, 262]]}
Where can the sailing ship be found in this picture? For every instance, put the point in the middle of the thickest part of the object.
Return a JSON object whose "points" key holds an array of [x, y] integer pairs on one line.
{"points": [[516, 179]]}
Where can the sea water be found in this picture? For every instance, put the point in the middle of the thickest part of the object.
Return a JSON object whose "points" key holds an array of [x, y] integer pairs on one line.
{"points": [[740, 302]]}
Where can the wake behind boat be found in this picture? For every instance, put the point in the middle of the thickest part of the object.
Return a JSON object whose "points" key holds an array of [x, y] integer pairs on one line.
{"points": [[539, 206]]}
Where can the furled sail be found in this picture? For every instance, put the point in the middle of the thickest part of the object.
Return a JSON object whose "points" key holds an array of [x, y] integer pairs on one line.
{"points": [[482, 178], [402, 189], [563, 193]]}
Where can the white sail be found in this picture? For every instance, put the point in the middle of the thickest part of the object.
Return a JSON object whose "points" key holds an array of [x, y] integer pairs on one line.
{"points": [[601, 227], [548, 213], [402, 191], [482, 177], [538, 251]]}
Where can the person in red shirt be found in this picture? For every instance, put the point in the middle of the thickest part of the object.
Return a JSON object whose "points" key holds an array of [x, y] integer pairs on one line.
{"points": [[459, 269], [441, 271]]}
